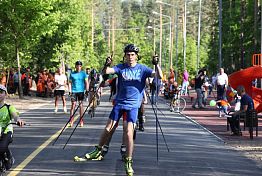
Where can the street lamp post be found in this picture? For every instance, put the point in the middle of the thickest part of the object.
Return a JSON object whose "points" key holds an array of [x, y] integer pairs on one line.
{"points": [[171, 38], [198, 35], [170, 31], [184, 35], [220, 35]]}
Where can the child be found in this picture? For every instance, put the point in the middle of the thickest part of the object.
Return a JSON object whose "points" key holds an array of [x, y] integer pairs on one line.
{"points": [[7, 113], [223, 106]]}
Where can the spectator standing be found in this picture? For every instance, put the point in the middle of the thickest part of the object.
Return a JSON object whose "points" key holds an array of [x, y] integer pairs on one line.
{"points": [[26, 81], [205, 87], [16, 82], [199, 80], [185, 82], [59, 90], [221, 82]]}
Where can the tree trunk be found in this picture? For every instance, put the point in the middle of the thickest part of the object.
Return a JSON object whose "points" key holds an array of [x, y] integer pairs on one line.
{"points": [[20, 92]]}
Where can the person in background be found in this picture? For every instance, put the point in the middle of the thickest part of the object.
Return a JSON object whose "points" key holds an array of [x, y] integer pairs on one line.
{"points": [[78, 87], [26, 81], [59, 90], [205, 87], [223, 106], [221, 83], [185, 82], [16, 82], [199, 80], [246, 104]]}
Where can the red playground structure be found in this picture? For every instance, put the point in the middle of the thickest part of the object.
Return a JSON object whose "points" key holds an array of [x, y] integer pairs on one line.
{"points": [[246, 77]]}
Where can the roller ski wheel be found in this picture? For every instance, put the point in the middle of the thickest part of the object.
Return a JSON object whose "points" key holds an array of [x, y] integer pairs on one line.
{"points": [[80, 159], [84, 159]]}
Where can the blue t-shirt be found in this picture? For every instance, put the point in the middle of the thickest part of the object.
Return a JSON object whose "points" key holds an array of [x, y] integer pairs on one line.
{"points": [[131, 84], [247, 100], [78, 81]]}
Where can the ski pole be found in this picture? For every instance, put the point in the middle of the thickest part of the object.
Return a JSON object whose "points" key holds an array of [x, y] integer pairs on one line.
{"points": [[15, 123], [156, 106], [108, 62], [155, 62], [81, 117], [66, 124]]}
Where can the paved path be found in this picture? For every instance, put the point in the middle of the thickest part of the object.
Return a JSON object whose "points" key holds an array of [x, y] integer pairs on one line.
{"points": [[193, 150]]}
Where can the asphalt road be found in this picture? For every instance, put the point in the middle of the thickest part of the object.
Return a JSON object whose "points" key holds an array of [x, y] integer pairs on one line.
{"points": [[192, 150]]}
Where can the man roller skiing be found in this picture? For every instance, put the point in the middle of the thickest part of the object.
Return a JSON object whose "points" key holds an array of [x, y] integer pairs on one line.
{"points": [[131, 84]]}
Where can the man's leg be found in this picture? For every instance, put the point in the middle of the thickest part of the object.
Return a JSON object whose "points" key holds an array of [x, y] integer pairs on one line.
{"points": [[5, 152], [56, 103], [129, 131], [130, 142], [199, 98], [98, 153], [81, 111], [64, 103], [73, 105], [234, 125]]}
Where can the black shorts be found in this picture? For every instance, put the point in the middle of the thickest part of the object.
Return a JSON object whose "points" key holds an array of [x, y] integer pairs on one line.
{"points": [[59, 93], [78, 96]]}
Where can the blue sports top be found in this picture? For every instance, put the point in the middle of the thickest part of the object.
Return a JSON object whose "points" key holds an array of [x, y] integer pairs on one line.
{"points": [[78, 81], [131, 84]]}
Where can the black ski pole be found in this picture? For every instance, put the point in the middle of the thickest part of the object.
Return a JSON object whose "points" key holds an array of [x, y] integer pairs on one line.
{"points": [[66, 124], [156, 106], [155, 62], [81, 117]]}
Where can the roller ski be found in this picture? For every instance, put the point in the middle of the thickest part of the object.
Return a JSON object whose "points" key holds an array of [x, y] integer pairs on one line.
{"points": [[95, 155]]}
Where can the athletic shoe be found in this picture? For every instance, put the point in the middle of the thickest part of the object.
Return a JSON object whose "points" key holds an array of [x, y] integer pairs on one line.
{"points": [[128, 166], [123, 152], [96, 154], [105, 150], [65, 110], [144, 118], [81, 123], [71, 123], [141, 127], [56, 109]]}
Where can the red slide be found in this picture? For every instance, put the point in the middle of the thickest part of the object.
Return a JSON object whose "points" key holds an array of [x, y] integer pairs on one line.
{"points": [[245, 77]]}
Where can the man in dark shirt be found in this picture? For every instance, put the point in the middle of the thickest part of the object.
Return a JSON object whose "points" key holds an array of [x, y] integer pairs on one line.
{"points": [[199, 80], [247, 104]]}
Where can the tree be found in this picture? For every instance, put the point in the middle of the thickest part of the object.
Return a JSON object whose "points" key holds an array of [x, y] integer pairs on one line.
{"points": [[22, 24]]}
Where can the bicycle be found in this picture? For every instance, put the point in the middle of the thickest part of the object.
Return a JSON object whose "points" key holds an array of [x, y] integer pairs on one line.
{"points": [[177, 103]]}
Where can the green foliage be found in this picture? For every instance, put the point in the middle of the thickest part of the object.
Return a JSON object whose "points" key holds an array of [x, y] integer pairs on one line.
{"points": [[47, 32]]}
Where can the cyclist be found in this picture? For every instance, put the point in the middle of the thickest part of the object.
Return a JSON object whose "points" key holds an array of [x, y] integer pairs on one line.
{"points": [[131, 83], [78, 86], [7, 114]]}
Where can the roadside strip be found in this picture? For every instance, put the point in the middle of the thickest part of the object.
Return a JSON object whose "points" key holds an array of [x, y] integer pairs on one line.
{"points": [[22, 165]]}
